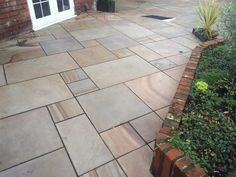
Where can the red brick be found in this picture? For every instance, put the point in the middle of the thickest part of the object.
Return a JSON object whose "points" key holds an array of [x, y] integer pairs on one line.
{"points": [[170, 156], [181, 165], [195, 172]]}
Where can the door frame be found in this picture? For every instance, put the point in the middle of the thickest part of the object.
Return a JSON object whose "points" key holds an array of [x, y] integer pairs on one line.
{"points": [[55, 16]]}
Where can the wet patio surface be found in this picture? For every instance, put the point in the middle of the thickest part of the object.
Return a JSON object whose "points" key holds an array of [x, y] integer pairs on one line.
{"points": [[86, 96]]}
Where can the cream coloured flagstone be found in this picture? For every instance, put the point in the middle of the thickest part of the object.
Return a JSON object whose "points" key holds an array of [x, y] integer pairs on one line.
{"points": [[16, 98], [55, 164], [26, 136], [114, 72], [156, 90], [84, 145], [112, 106], [25, 70], [2, 76]]}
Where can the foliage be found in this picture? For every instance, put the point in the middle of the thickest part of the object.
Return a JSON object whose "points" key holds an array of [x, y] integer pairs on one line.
{"points": [[208, 12], [227, 23], [208, 133], [210, 141], [201, 86]]}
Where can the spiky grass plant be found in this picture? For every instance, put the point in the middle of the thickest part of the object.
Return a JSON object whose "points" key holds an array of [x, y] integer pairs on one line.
{"points": [[208, 12]]}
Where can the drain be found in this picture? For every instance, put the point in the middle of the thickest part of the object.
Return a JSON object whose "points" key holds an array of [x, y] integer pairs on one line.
{"points": [[158, 17]]}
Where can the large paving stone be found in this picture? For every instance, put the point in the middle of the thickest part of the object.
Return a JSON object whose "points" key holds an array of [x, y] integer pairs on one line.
{"points": [[112, 106], [55, 164], [60, 45], [84, 145], [16, 98], [133, 30], [176, 73], [25, 70], [147, 126], [94, 33], [26, 136], [92, 55], [114, 72], [117, 42], [172, 31], [18, 53], [167, 48], [2, 76], [137, 163], [122, 139], [111, 169], [156, 90], [145, 53]]}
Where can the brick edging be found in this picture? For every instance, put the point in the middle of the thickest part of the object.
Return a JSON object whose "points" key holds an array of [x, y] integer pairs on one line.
{"points": [[167, 160]]}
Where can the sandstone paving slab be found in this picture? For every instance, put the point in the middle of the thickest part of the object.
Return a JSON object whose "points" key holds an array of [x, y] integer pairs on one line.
{"points": [[116, 42], [152, 145], [117, 71], [92, 55], [163, 112], [178, 59], [156, 90], [84, 145], [65, 109], [171, 32], [185, 42], [163, 64], [60, 45], [73, 75], [112, 106], [122, 139], [121, 53], [18, 53], [34, 68], [89, 43], [2, 76], [147, 126], [55, 164], [132, 30], [26, 136], [176, 73], [145, 53], [167, 48], [137, 163], [94, 33], [111, 169], [23, 96], [82, 87]]}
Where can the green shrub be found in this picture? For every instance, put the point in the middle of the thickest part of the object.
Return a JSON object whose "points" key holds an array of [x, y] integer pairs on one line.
{"points": [[209, 140], [227, 23]]}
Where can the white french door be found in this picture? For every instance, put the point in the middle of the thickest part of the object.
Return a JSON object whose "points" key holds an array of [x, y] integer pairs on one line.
{"points": [[46, 12]]}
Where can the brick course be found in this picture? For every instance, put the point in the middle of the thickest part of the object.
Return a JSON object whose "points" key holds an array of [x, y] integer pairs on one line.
{"points": [[167, 160], [14, 18]]}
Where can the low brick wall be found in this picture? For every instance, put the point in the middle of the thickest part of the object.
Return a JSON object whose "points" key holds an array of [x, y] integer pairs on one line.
{"points": [[82, 5], [14, 18], [167, 160]]}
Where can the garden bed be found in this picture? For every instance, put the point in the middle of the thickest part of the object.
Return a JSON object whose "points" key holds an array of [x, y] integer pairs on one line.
{"points": [[203, 110]]}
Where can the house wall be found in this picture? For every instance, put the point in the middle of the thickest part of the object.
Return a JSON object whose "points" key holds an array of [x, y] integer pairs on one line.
{"points": [[14, 18], [80, 5]]}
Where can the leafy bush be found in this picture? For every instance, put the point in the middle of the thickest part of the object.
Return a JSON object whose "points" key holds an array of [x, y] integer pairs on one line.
{"points": [[207, 132], [210, 141], [208, 12], [227, 23]]}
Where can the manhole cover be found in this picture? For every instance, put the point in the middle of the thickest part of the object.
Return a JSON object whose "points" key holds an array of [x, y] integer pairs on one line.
{"points": [[158, 17]]}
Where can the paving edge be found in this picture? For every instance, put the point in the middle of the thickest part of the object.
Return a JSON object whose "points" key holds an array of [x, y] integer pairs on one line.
{"points": [[169, 161]]}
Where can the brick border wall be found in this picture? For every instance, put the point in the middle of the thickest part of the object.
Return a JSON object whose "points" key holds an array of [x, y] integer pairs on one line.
{"points": [[80, 5], [167, 160], [14, 18]]}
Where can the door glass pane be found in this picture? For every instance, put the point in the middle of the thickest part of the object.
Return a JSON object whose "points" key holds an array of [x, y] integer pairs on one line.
{"points": [[41, 8], [38, 11], [46, 9], [66, 4], [63, 5], [60, 5]]}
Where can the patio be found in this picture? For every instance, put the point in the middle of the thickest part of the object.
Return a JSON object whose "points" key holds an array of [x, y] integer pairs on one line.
{"points": [[85, 97]]}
